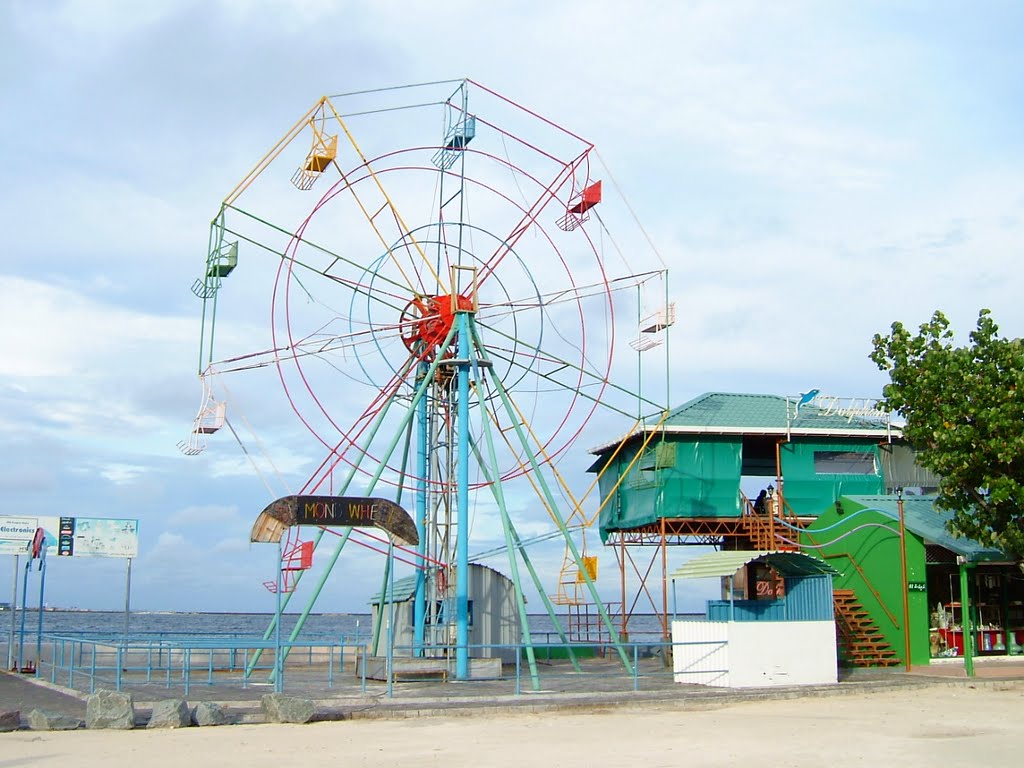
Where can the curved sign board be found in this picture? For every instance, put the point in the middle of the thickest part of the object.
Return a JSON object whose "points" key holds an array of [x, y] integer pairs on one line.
{"points": [[334, 512]]}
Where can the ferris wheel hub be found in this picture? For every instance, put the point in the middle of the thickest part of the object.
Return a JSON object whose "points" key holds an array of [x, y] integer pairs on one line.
{"points": [[427, 321]]}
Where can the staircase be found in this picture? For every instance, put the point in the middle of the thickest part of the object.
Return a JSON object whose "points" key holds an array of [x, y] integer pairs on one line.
{"points": [[765, 531], [860, 642]]}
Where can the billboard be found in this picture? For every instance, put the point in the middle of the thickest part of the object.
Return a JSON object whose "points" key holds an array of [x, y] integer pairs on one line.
{"points": [[71, 536]]}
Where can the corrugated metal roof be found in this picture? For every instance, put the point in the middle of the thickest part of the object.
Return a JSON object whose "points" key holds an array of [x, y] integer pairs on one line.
{"points": [[718, 564], [923, 518], [404, 589], [751, 411], [725, 413]]}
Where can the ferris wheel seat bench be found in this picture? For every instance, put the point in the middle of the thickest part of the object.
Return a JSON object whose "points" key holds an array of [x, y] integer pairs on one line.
{"points": [[416, 669]]}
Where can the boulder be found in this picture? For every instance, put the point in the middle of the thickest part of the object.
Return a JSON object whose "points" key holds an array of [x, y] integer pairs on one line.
{"points": [[170, 713], [110, 709], [10, 720], [279, 708], [208, 713], [47, 720]]}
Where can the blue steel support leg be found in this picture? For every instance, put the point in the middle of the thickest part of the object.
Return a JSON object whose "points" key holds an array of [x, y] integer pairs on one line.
{"points": [[419, 604], [462, 504], [515, 417], [384, 458]]}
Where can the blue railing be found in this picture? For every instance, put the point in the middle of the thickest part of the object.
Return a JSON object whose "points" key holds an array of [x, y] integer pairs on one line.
{"points": [[183, 662]]}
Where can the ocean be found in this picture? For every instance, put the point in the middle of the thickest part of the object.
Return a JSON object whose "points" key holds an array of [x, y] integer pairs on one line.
{"points": [[318, 625]]}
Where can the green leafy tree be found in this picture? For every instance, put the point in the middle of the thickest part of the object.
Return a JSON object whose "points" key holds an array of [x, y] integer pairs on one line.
{"points": [[964, 411]]}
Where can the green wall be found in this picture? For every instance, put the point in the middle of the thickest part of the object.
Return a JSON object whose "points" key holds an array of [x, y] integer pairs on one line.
{"points": [[689, 477], [672, 479], [871, 540], [808, 492]]}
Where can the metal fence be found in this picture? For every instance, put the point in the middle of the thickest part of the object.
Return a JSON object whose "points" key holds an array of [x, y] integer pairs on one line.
{"points": [[337, 666]]}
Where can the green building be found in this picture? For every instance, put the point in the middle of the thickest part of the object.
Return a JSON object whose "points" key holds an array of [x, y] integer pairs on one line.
{"points": [[860, 536], [694, 477]]}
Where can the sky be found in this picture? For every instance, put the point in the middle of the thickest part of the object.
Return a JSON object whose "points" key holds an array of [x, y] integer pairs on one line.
{"points": [[807, 173]]}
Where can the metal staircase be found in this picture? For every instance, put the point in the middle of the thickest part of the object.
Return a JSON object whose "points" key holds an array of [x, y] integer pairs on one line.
{"points": [[766, 531], [859, 640]]}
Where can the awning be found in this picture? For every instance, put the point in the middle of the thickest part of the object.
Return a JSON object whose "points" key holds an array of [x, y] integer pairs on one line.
{"points": [[719, 564]]}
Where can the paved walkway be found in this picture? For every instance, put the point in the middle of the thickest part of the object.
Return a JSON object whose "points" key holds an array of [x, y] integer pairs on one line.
{"points": [[25, 693], [347, 699]]}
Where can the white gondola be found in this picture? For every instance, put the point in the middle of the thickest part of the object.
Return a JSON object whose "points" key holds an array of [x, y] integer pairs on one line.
{"points": [[211, 417]]}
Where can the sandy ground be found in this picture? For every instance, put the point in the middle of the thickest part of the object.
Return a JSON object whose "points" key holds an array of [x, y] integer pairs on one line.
{"points": [[947, 726]]}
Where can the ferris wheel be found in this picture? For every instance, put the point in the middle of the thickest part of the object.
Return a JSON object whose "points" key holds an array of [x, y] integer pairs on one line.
{"points": [[444, 322]]}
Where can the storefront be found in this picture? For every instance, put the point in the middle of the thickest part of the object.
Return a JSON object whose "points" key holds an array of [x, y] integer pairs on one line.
{"points": [[996, 598]]}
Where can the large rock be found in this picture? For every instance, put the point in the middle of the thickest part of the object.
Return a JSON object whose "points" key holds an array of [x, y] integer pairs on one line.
{"points": [[279, 708], [170, 713], [208, 713], [110, 709], [10, 720], [47, 720]]}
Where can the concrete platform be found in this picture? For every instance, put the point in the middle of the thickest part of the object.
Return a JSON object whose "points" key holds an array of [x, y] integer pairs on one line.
{"points": [[597, 688]]}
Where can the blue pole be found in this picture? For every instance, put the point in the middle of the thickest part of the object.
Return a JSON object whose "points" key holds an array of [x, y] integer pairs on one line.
{"points": [[462, 503], [24, 606], [14, 615], [419, 604], [42, 585]]}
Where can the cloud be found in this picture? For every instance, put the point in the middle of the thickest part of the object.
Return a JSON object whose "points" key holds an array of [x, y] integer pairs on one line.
{"points": [[794, 164], [211, 515]]}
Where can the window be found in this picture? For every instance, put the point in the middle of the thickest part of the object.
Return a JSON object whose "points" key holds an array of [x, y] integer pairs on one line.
{"points": [[844, 463]]}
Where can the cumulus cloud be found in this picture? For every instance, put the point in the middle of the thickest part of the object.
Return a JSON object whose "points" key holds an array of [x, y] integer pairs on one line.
{"points": [[768, 151]]}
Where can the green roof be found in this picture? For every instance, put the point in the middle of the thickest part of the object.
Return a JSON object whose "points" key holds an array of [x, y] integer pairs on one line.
{"points": [[404, 589], [774, 412], [725, 413], [923, 518], [718, 564]]}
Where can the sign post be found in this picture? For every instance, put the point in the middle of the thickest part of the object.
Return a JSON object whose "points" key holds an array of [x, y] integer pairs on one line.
{"points": [[14, 615], [127, 596]]}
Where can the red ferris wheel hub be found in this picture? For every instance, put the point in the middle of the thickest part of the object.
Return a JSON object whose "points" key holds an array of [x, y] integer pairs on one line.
{"points": [[427, 320]]}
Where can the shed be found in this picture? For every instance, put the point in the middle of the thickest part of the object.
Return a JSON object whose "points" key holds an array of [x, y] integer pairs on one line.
{"points": [[493, 617], [785, 638]]}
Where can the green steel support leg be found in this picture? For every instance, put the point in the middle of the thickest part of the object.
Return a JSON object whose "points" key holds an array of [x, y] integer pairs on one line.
{"points": [[557, 515], [420, 392], [506, 525], [548, 605], [538, 585], [385, 600]]}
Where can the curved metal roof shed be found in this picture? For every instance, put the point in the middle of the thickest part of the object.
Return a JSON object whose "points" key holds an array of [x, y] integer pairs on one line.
{"points": [[788, 639]]}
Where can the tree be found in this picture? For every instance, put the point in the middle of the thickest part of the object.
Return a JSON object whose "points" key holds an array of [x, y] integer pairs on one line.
{"points": [[964, 411]]}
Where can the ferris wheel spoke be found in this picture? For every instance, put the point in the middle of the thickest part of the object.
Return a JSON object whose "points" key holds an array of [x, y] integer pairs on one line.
{"points": [[576, 375], [529, 217], [390, 205], [328, 267]]}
